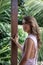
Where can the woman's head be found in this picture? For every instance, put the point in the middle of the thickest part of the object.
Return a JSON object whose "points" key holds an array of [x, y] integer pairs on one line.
{"points": [[26, 26], [30, 26]]}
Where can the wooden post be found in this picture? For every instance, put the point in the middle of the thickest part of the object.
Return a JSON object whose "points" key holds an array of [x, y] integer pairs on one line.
{"points": [[14, 23]]}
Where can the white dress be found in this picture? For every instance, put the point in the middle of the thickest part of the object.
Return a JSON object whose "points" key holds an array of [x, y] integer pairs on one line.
{"points": [[34, 60]]}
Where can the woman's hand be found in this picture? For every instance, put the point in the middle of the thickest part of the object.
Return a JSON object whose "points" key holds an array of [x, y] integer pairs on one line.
{"points": [[16, 42], [15, 39]]}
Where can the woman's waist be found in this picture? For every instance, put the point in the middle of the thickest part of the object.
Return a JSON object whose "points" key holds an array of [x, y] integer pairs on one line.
{"points": [[31, 57], [31, 61]]}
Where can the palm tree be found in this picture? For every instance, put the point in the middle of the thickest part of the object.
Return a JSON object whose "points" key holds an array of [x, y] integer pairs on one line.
{"points": [[34, 8]]}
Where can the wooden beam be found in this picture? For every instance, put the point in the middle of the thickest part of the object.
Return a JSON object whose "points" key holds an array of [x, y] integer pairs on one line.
{"points": [[14, 23]]}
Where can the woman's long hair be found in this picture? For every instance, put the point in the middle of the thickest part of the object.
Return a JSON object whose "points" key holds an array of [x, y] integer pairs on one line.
{"points": [[34, 27]]}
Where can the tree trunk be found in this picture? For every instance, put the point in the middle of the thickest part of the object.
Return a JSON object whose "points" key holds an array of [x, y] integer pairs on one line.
{"points": [[14, 23]]}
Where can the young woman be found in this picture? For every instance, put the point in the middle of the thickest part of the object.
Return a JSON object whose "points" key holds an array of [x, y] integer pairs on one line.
{"points": [[32, 42]]}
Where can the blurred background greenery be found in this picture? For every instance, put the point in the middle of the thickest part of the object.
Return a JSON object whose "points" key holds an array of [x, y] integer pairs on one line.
{"points": [[25, 7]]}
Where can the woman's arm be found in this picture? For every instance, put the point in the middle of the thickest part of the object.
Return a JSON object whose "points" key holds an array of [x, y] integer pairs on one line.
{"points": [[18, 44], [29, 44]]}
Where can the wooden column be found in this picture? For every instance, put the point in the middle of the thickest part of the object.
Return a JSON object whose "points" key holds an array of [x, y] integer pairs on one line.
{"points": [[14, 23]]}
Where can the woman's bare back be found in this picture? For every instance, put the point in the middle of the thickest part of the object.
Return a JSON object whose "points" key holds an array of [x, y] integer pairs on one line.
{"points": [[32, 51], [33, 56]]}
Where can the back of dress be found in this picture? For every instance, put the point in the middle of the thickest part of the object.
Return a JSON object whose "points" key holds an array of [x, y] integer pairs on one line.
{"points": [[34, 60]]}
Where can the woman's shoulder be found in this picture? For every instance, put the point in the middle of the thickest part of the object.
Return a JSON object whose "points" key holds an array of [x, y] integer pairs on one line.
{"points": [[33, 37]]}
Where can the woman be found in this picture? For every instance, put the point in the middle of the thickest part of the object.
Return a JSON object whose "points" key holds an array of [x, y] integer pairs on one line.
{"points": [[32, 42]]}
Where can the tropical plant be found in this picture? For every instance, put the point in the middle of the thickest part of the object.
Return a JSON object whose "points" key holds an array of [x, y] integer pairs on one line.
{"points": [[34, 8], [26, 7], [5, 31]]}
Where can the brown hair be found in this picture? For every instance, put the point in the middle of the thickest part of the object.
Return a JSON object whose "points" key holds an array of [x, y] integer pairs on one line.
{"points": [[34, 27]]}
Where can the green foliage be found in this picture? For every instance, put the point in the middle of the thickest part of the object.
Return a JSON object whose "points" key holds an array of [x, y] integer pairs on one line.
{"points": [[22, 34], [5, 30], [34, 8], [20, 3], [31, 8], [40, 54], [5, 44], [4, 5], [26, 7]]}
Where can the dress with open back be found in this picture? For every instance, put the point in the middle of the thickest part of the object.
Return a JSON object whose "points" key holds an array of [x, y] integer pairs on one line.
{"points": [[34, 60]]}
